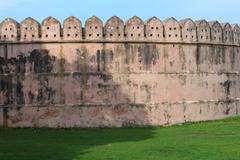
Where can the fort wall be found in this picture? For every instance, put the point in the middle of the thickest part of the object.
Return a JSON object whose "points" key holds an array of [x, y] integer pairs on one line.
{"points": [[117, 74]]}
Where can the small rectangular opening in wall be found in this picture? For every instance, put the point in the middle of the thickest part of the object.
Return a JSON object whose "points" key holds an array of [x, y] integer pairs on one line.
{"points": [[5, 117], [1, 117], [98, 60], [5, 52]]}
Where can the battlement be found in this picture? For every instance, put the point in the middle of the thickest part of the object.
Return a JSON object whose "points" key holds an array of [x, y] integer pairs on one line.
{"points": [[115, 30]]}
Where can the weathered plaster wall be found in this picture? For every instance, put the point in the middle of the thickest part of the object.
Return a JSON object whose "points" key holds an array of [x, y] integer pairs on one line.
{"points": [[113, 83]]}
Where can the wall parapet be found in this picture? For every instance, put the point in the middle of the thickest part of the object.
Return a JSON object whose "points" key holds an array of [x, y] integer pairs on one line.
{"points": [[115, 30]]}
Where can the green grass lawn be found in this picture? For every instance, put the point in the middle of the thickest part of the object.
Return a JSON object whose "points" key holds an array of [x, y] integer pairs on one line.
{"points": [[217, 140]]}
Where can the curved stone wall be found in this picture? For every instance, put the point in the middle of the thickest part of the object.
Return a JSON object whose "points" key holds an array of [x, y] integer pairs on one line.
{"points": [[115, 74]]}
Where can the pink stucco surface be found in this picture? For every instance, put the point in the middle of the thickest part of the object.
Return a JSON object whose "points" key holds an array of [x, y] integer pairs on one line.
{"points": [[117, 84]]}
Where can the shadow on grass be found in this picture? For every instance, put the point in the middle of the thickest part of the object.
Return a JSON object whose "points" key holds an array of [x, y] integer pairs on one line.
{"points": [[64, 144], [212, 140]]}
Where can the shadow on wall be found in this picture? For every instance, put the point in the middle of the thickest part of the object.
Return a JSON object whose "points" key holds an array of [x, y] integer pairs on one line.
{"points": [[67, 86]]}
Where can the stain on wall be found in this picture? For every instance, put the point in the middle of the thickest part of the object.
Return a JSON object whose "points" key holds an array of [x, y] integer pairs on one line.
{"points": [[115, 85]]}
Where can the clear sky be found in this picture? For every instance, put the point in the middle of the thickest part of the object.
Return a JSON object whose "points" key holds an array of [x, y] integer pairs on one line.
{"points": [[222, 10]]}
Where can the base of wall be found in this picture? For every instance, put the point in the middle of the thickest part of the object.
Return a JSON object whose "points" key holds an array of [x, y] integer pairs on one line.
{"points": [[115, 116]]}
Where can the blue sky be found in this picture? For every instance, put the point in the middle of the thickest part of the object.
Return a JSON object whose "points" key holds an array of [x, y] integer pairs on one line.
{"points": [[222, 10]]}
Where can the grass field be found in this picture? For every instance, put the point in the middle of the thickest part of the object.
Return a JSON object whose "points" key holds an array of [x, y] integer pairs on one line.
{"points": [[217, 140]]}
